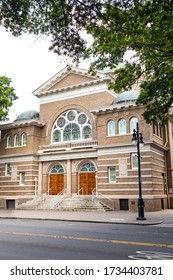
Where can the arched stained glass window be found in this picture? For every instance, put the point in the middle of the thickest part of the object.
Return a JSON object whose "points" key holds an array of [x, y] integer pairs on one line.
{"points": [[56, 136], [24, 139], [9, 141], [16, 140], [111, 128], [133, 122], [57, 169], [72, 125], [122, 126], [71, 132], [88, 167], [86, 132]]}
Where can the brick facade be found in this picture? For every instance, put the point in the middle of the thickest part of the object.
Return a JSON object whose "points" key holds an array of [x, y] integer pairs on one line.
{"points": [[93, 158]]}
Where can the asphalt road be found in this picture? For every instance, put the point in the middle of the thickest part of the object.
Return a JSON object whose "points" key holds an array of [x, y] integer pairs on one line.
{"points": [[55, 240]]}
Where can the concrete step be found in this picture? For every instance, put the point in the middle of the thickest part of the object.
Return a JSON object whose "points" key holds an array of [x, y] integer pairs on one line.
{"points": [[106, 207], [65, 203]]}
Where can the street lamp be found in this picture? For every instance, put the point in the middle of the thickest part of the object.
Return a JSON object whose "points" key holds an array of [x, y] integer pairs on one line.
{"points": [[137, 139]]}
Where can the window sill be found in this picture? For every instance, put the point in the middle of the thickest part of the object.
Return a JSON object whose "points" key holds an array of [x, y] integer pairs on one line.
{"points": [[15, 147]]}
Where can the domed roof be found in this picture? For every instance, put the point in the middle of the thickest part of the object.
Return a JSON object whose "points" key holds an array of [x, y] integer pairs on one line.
{"points": [[126, 96], [28, 115]]}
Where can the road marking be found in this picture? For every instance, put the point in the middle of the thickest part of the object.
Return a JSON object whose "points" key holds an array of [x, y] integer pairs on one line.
{"points": [[150, 255], [123, 242]]}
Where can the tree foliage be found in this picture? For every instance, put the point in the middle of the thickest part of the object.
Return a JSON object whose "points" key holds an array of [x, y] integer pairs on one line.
{"points": [[7, 96], [63, 20], [117, 26], [147, 28]]}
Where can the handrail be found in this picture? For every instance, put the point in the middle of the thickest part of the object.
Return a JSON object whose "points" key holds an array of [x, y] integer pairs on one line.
{"points": [[94, 194], [104, 196], [74, 197], [62, 193], [98, 195], [40, 198]]}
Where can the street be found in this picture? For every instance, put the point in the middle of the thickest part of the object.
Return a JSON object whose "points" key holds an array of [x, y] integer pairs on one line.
{"points": [[60, 240]]}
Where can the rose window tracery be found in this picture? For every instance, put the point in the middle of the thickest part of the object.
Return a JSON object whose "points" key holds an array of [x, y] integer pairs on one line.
{"points": [[71, 126]]}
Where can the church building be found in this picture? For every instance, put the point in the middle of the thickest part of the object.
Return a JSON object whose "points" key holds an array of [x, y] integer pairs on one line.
{"points": [[80, 142]]}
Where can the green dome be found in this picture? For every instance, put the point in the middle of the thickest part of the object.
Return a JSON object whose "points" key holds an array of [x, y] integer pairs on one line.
{"points": [[125, 97], [28, 115]]}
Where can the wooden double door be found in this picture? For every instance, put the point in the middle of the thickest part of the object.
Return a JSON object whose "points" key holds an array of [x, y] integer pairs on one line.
{"points": [[87, 182], [56, 183]]}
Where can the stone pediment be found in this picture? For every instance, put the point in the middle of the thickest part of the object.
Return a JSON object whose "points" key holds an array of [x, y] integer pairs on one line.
{"points": [[71, 80], [67, 79]]}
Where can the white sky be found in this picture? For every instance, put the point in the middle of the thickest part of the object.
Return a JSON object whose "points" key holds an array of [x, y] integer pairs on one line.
{"points": [[29, 63]]}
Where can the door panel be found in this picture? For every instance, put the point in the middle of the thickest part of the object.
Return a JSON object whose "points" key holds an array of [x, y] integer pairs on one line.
{"points": [[91, 182], [87, 182], [56, 183]]}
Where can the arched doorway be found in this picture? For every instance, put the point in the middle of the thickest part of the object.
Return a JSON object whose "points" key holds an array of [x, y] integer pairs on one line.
{"points": [[87, 179], [56, 180]]}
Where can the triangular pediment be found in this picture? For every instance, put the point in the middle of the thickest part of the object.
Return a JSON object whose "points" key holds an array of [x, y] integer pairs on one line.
{"points": [[70, 80], [67, 78]]}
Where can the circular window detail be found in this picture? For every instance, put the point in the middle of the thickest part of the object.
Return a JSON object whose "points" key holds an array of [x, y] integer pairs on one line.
{"points": [[82, 119], [61, 122], [71, 115], [72, 125]]}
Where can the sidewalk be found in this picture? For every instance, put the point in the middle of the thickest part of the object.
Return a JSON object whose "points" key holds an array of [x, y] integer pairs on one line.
{"points": [[113, 217]]}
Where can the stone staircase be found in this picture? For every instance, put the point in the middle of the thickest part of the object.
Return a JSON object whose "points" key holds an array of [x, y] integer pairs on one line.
{"points": [[65, 203], [80, 203], [44, 202]]}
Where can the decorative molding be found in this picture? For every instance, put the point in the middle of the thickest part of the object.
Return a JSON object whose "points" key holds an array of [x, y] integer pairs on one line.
{"points": [[65, 156], [43, 89], [22, 124], [18, 158], [73, 93]]}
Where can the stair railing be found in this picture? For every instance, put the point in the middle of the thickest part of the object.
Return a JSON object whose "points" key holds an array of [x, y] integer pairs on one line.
{"points": [[103, 199], [63, 196], [39, 199], [94, 194], [75, 198]]}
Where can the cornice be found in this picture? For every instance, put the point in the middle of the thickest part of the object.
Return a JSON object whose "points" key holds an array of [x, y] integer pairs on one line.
{"points": [[33, 122], [69, 88], [44, 88], [75, 92], [112, 108]]}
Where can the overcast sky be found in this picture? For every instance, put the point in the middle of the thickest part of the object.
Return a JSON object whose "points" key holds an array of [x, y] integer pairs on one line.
{"points": [[29, 63]]}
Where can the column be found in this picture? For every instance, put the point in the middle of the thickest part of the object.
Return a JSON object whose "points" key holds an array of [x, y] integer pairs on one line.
{"points": [[40, 171], [68, 176]]}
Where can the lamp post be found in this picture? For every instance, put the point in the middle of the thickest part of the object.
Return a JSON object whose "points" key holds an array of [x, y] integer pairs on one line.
{"points": [[137, 139]]}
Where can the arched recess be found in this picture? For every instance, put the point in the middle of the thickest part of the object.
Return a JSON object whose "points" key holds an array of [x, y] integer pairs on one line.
{"points": [[60, 111], [87, 178], [72, 125], [56, 179]]}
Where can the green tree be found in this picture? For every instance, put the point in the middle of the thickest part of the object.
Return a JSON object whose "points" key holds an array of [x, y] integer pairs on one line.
{"points": [[146, 27], [117, 26], [7, 96], [62, 20]]}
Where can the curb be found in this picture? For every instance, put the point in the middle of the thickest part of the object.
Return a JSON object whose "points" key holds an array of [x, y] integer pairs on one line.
{"points": [[141, 223]]}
